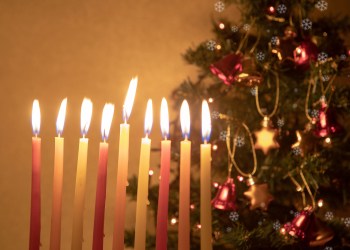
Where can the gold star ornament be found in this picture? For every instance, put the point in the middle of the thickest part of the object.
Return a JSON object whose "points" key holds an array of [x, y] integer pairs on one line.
{"points": [[259, 196], [265, 139]]}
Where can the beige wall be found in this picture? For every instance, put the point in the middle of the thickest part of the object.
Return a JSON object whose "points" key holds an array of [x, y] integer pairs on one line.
{"points": [[55, 49]]}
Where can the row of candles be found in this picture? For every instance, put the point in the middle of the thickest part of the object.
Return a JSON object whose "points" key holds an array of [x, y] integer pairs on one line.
{"points": [[142, 189]]}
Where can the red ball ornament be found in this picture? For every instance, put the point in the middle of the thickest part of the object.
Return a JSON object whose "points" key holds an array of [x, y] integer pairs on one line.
{"points": [[305, 53], [225, 198], [326, 125], [227, 68]]}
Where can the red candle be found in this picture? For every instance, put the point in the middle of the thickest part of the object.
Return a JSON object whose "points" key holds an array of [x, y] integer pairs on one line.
{"points": [[34, 236], [163, 198], [107, 116]]}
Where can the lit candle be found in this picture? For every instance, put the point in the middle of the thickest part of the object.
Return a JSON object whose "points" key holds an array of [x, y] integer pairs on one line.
{"points": [[122, 172], [107, 116], [142, 186], [34, 235], [163, 198], [55, 236], [78, 213], [185, 171], [205, 179]]}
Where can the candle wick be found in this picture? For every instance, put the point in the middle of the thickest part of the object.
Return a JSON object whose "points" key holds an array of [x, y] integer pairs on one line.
{"points": [[146, 136]]}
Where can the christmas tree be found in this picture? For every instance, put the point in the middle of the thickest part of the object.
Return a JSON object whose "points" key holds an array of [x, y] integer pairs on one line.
{"points": [[279, 105]]}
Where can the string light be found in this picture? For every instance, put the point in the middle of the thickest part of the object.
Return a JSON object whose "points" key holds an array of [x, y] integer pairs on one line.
{"points": [[150, 172], [215, 147], [221, 26]]}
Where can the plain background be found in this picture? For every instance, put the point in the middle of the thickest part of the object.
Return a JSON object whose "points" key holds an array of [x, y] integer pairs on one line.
{"points": [[59, 48]]}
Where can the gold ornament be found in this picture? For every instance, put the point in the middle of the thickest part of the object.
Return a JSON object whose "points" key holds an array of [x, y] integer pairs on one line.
{"points": [[259, 196], [265, 139]]}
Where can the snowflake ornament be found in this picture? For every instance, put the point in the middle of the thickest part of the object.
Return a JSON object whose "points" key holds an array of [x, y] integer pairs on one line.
{"points": [[306, 24], [329, 215], [260, 56], [215, 115], [275, 40], [246, 27], [281, 9], [219, 6], [322, 57], [328, 248], [347, 221], [234, 216], [296, 214], [325, 78], [234, 28], [276, 225], [342, 57], [315, 113], [229, 229], [211, 44], [280, 122], [296, 151], [321, 5], [223, 135], [239, 141], [252, 91]]}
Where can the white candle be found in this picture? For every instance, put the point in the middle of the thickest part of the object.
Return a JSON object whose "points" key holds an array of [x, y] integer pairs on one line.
{"points": [[78, 213], [205, 180], [185, 174], [142, 186], [122, 172], [55, 236]]}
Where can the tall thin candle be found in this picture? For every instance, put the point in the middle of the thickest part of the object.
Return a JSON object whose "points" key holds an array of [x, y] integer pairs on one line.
{"points": [[205, 180], [55, 236], [142, 186], [78, 213], [185, 171], [107, 116], [122, 172], [35, 222], [163, 198]]}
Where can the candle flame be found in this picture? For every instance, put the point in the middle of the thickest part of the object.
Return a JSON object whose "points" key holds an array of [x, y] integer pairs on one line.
{"points": [[185, 119], [61, 116], [107, 117], [206, 122], [85, 116], [129, 99], [164, 118], [149, 117], [36, 117]]}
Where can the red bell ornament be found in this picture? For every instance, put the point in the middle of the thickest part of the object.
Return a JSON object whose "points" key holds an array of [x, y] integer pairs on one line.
{"points": [[308, 228], [300, 224], [305, 53], [326, 124], [225, 198], [227, 68]]}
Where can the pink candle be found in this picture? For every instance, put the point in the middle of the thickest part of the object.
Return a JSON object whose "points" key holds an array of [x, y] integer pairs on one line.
{"points": [[122, 173], [107, 115], [55, 236], [34, 236], [162, 216]]}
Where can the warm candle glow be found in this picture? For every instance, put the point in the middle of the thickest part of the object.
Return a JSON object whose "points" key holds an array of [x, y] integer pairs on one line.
{"points": [[85, 117], [107, 117], [36, 117], [61, 117], [206, 122], [164, 118], [185, 119], [149, 117], [129, 99]]}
